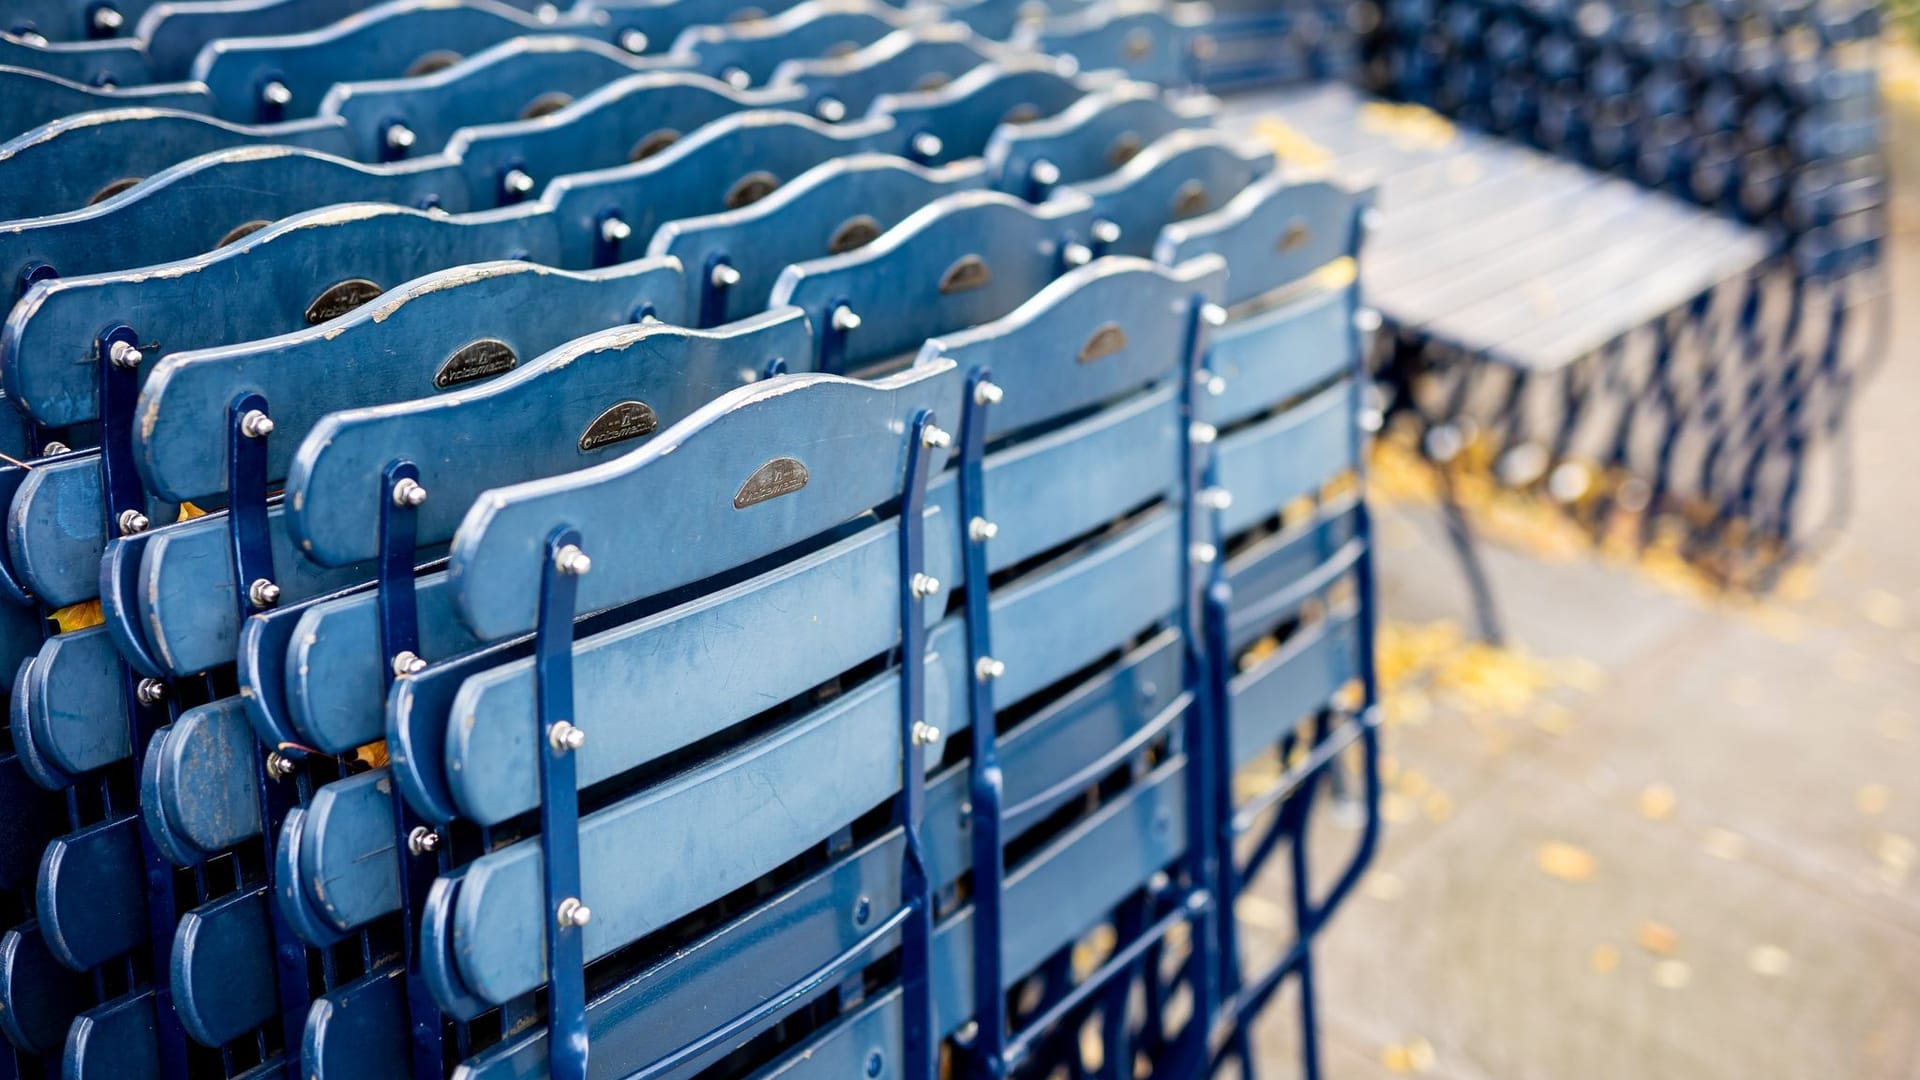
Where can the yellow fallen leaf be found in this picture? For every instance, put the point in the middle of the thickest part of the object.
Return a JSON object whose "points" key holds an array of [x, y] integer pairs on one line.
{"points": [[1421, 1055], [1397, 808], [1657, 938], [1438, 806], [373, 755], [1603, 959], [189, 511], [1656, 802], [79, 616], [1412, 784], [1565, 861], [1672, 974], [1871, 799], [1396, 1058]]}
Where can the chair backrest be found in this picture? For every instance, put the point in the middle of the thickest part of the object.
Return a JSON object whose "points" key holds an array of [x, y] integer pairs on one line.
{"points": [[1183, 174], [744, 54], [923, 57], [1092, 137], [31, 98], [1150, 40], [963, 115]]}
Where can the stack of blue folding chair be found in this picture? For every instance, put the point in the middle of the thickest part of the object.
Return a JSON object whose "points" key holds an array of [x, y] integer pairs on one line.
{"points": [[662, 540]]}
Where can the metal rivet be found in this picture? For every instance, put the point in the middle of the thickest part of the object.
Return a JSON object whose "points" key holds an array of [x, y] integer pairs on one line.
{"points": [[988, 393], [574, 914], [1200, 434], [1216, 498], [935, 438], [122, 354], [613, 230], [263, 593], [832, 110], [1045, 173], [1203, 553], [106, 20], [565, 737], [276, 93], [55, 447], [1214, 314], [1076, 254], [150, 691], [987, 668], [736, 78], [422, 840], [255, 424], [408, 662], [1216, 385], [633, 41], [408, 492], [517, 182], [981, 530], [572, 561], [724, 276], [925, 585], [400, 137], [1106, 232], [1370, 219], [925, 734], [133, 522], [928, 145], [1366, 320], [279, 766], [844, 319]]}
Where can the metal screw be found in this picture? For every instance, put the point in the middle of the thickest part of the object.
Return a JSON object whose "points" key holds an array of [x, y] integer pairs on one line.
{"points": [[276, 94], [924, 585], [55, 447], [1369, 219], [132, 522], [633, 41], [981, 530], [725, 277], [400, 137], [1203, 553], [150, 691], [844, 319], [122, 354], [263, 593], [408, 662], [279, 766], [1106, 232], [925, 734], [422, 840], [987, 668], [832, 110], [1366, 320], [408, 492], [1216, 498], [517, 182], [572, 561], [1214, 315], [1200, 434], [1076, 254], [1045, 173], [574, 914], [935, 438], [1216, 385], [736, 78], [988, 393], [613, 230], [255, 424], [565, 737], [928, 145], [107, 21]]}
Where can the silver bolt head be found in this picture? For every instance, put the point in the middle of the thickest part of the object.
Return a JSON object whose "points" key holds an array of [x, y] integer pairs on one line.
{"points": [[572, 561], [573, 914], [1203, 554], [1045, 173], [107, 20], [423, 840], [565, 737], [1106, 232], [55, 447], [925, 734], [1076, 254], [633, 41], [1216, 385], [725, 277], [409, 493], [987, 668], [263, 593], [122, 354], [400, 137], [1366, 320], [613, 230], [133, 522], [408, 662], [255, 424], [276, 93], [279, 766], [1217, 498], [1201, 434], [988, 393], [928, 145], [832, 110], [150, 691], [1214, 314], [517, 182], [736, 78], [845, 320], [980, 529], [925, 585], [935, 438]]}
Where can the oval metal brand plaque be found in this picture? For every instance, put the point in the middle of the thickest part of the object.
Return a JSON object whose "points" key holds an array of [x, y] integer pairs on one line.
{"points": [[1191, 199], [652, 143], [1296, 236], [474, 361], [751, 188], [626, 420], [1106, 341], [1138, 43], [1024, 113], [241, 232], [855, 232], [781, 476], [114, 188], [1124, 148], [437, 60], [968, 272], [551, 102], [340, 299]]}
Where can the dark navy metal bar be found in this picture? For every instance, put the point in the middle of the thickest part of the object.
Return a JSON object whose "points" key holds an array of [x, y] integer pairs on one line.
{"points": [[557, 739], [916, 940]]}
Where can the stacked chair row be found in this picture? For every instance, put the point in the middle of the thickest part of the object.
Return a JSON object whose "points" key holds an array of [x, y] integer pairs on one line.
{"points": [[829, 547]]}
